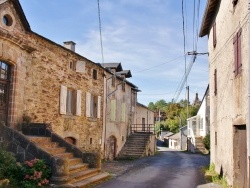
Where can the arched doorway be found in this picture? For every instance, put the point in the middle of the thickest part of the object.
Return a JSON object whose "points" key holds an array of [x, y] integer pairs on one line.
{"points": [[111, 152], [4, 90], [70, 140]]}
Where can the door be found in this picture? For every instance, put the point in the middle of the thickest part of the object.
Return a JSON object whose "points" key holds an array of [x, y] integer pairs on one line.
{"points": [[4, 90], [240, 156], [112, 148], [143, 124]]}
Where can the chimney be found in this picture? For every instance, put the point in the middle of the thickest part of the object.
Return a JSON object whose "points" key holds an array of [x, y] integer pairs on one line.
{"points": [[70, 45]]}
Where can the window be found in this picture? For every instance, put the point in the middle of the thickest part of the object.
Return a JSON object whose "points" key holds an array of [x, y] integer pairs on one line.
{"points": [[215, 82], [113, 80], [80, 66], [123, 86], [215, 138], [201, 124], [70, 101], [113, 110], [95, 74], [72, 66], [237, 53], [234, 2], [93, 106], [7, 20], [214, 35], [123, 112]]}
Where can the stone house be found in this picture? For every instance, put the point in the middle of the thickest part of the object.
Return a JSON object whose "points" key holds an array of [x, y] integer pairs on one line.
{"points": [[119, 109], [226, 23], [44, 82], [144, 118], [199, 125]]}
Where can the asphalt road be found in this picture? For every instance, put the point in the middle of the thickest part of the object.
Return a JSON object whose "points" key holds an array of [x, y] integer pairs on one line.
{"points": [[168, 169]]}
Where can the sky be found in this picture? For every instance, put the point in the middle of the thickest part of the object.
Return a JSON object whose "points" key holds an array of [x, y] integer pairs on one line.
{"points": [[146, 37]]}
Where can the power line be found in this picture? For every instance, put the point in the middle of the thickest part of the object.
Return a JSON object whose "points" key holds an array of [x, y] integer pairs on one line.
{"points": [[100, 29]]}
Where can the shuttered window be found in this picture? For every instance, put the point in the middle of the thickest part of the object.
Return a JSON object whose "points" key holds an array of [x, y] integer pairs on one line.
{"points": [[237, 53], [123, 114], [93, 106], [214, 35], [70, 101], [113, 110]]}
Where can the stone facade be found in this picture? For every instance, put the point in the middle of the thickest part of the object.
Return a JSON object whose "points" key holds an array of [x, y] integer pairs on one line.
{"points": [[224, 22], [49, 83]]}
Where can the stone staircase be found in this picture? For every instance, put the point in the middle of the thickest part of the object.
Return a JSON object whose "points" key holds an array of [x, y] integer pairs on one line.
{"points": [[135, 146], [80, 174], [199, 146]]}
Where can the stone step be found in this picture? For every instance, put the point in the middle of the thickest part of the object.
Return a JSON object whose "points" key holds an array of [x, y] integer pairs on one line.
{"points": [[65, 155], [78, 167], [91, 180], [55, 150], [74, 161], [81, 175]]}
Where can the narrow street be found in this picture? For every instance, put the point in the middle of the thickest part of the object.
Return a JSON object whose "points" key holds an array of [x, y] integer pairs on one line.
{"points": [[168, 169]]}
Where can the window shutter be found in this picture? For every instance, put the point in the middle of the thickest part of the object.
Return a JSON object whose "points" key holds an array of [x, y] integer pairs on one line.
{"points": [[235, 55], [63, 99], [88, 100], [113, 110], [239, 51], [78, 102], [99, 107], [123, 112], [80, 66]]}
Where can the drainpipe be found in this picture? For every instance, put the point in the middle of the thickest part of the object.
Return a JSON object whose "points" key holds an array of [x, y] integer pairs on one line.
{"points": [[248, 120]]}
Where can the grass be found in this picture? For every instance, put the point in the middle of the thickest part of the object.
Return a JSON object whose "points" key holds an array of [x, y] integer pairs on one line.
{"points": [[212, 176]]}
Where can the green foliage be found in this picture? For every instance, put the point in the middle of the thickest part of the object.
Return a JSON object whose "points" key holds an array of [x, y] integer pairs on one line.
{"points": [[34, 173], [174, 115], [212, 176], [206, 141]]}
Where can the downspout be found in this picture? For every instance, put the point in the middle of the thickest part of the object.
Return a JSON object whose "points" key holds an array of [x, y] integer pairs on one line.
{"points": [[248, 123]]}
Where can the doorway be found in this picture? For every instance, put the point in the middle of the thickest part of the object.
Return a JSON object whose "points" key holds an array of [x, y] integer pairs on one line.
{"points": [[240, 156]]}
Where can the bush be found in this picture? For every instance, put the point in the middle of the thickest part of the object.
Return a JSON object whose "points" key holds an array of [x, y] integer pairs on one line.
{"points": [[30, 174], [35, 173], [206, 141]]}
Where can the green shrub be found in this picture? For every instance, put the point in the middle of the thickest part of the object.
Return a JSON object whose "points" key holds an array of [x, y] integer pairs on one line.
{"points": [[206, 141]]}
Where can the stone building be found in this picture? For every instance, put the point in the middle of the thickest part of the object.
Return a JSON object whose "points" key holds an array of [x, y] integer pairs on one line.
{"points": [[226, 23], [119, 109], [45, 82]]}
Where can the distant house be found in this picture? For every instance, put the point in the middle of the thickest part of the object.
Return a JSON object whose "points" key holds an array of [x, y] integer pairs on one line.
{"points": [[174, 141], [165, 136], [198, 126]]}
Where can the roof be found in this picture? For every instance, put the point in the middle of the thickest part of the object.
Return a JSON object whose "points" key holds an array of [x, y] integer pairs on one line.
{"points": [[142, 105], [127, 73], [209, 16], [116, 66], [175, 136], [168, 134]]}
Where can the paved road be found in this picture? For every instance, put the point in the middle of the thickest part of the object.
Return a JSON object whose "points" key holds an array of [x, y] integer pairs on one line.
{"points": [[168, 169]]}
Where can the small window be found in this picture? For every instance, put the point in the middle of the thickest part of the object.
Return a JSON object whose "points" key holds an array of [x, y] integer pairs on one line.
{"points": [[237, 53], [72, 66], [113, 81], [215, 138], [123, 86], [93, 106], [90, 141], [215, 82], [214, 35], [95, 74], [7, 20], [234, 2]]}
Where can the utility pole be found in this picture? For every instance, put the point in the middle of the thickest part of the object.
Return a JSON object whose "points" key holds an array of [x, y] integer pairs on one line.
{"points": [[187, 102]]}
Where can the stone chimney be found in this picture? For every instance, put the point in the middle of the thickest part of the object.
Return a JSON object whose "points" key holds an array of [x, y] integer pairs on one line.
{"points": [[70, 45]]}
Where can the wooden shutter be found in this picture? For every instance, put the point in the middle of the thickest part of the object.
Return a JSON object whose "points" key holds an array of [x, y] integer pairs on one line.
{"points": [[99, 107], [214, 35], [80, 66], [88, 101], [123, 118], [235, 54], [78, 102], [215, 82], [63, 99], [113, 110]]}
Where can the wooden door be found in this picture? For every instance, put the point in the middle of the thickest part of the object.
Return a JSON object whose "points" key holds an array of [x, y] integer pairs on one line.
{"points": [[4, 90], [240, 156], [143, 124]]}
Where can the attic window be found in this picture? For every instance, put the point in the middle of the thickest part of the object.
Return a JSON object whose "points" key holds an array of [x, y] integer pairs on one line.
{"points": [[7, 20]]}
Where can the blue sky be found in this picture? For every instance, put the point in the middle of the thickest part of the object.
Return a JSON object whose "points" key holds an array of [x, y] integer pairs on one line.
{"points": [[145, 36]]}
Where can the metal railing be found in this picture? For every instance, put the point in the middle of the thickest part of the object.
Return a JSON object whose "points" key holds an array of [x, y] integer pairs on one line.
{"points": [[143, 128]]}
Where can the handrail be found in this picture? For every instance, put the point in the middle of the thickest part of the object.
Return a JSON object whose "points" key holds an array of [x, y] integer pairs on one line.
{"points": [[143, 128]]}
